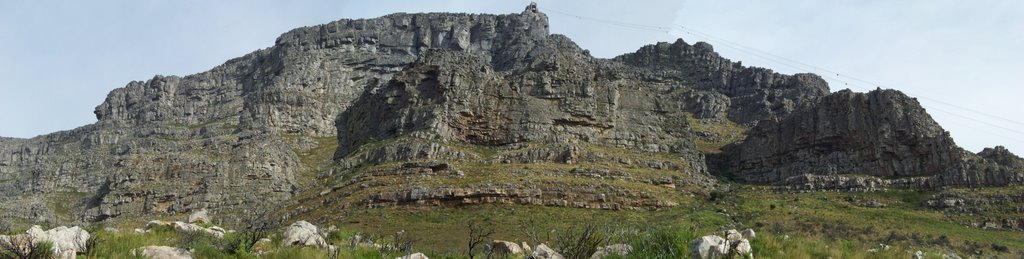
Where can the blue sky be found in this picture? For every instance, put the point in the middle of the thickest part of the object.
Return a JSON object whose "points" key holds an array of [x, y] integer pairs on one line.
{"points": [[58, 59]]}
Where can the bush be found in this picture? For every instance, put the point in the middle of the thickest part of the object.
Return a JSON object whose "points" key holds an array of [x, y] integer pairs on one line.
{"points": [[22, 247], [582, 242]]}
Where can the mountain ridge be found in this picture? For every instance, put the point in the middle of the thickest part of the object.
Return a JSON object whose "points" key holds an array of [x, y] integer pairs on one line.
{"points": [[434, 108]]}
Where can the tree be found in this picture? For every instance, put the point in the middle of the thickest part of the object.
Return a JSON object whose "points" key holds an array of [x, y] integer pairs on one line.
{"points": [[479, 232]]}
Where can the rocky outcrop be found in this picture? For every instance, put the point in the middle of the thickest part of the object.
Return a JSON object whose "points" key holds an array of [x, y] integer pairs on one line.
{"points": [[754, 94], [1003, 157], [880, 138]]}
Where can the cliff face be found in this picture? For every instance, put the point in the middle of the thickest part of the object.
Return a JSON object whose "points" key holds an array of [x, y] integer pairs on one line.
{"points": [[754, 93], [446, 108], [881, 134]]}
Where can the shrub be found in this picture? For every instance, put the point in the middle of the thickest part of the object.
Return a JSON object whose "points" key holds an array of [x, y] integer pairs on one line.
{"points": [[581, 242], [22, 247]]}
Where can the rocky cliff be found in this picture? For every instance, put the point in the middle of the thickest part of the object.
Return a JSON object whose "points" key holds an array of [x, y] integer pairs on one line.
{"points": [[882, 134], [444, 108]]}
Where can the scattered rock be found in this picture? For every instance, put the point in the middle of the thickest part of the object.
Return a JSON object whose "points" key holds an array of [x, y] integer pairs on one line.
{"points": [[302, 233], [748, 234], [616, 249], [413, 256], [742, 247], [66, 241], [199, 217], [710, 246], [526, 248], [733, 235], [505, 247], [163, 252], [542, 251], [919, 255]]}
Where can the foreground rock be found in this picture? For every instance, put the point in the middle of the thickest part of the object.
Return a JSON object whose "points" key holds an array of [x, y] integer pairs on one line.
{"points": [[505, 247], [302, 233], [163, 252], [66, 241], [542, 251], [414, 256], [711, 246], [621, 250]]}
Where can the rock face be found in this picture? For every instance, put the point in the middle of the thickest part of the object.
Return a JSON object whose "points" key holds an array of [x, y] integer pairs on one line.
{"points": [[884, 135], [748, 94]]}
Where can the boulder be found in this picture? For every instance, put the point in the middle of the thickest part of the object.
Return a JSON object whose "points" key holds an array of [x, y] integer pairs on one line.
{"points": [[542, 251], [505, 247], [201, 216], [302, 233], [157, 223], [413, 256], [163, 252], [710, 246], [742, 248], [621, 250], [66, 241], [748, 234], [733, 235], [526, 248]]}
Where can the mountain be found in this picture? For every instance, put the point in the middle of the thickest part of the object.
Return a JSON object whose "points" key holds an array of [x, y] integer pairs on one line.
{"points": [[460, 109]]}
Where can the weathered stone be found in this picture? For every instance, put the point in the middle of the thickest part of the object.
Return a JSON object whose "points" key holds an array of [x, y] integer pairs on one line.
{"points": [[542, 251], [733, 235], [66, 241], [413, 256], [505, 247], [301, 233], [163, 252], [749, 233], [742, 248], [709, 247], [201, 216], [621, 250]]}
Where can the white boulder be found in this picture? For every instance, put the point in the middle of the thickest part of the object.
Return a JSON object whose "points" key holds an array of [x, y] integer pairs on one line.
{"points": [[710, 246], [66, 241], [414, 256], [163, 252], [302, 233], [505, 247], [542, 251], [748, 234]]}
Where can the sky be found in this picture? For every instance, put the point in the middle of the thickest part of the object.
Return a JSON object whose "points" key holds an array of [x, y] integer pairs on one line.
{"points": [[962, 59]]}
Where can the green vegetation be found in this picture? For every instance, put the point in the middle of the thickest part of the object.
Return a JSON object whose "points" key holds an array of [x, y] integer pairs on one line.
{"points": [[722, 133]]}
